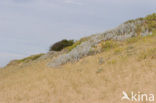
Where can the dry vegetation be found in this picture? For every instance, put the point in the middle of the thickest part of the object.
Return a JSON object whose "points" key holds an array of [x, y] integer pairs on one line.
{"points": [[127, 65], [139, 27], [101, 78]]}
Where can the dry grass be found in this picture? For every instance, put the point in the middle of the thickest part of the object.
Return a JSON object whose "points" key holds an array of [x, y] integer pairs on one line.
{"points": [[86, 81]]}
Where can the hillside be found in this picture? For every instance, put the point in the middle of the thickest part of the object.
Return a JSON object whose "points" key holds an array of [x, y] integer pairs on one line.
{"points": [[96, 69]]}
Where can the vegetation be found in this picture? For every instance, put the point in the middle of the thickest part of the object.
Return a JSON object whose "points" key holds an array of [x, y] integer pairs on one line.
{"points": [[118, 50], [30, 58], [126, 64], [108, 45], [77, 43], [149, 24], [133, 39], [151, 21], [85, 79], [151, 17], [61, 45], [74, 45], [138, 27], [150, 53]]}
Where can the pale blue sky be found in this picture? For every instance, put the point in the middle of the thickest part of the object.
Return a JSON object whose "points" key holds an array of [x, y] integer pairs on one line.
{"points": [[31, 26]]}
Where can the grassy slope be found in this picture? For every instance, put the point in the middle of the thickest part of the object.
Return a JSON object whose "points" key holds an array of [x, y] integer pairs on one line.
{"points": [[130, 66]]}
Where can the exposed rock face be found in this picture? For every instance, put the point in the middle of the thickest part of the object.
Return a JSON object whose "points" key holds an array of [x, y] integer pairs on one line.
{"points": [[122, 32]]}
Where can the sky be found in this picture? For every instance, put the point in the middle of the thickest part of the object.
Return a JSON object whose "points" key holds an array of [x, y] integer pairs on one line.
{"points": [[31, 26]]}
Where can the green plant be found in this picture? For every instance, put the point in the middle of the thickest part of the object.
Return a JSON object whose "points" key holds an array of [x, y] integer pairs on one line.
{"points": [[108, 45], [74, 45], [77, 43], [151, 22], [58, 46], [30, 58], [151, 17], [118, 50], [133, 39], [130, 21]]}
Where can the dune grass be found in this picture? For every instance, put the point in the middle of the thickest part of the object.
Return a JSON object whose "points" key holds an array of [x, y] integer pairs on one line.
{"points": [[85, 81]]}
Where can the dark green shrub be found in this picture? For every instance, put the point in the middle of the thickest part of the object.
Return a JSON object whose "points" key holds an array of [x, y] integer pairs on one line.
{"points": [[58, 46], [74, 45]]}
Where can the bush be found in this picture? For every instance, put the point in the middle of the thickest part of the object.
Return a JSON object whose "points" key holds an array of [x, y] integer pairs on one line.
{"points": [[151, 21], [73, 46], [61, 45], [151, 17]]}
